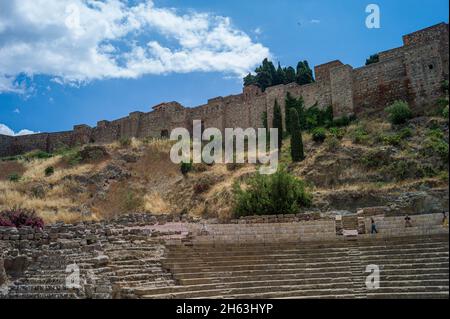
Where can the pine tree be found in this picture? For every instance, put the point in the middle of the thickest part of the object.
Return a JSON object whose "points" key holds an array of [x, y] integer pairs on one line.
{"points": [[250, 79], [304, 73], [289, 75], [264, 120], [281, 76], [297, 152], [278, 123]]}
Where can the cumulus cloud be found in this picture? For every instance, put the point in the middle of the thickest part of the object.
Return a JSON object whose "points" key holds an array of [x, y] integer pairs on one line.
{"points": [[76, 41], [5, 130]]}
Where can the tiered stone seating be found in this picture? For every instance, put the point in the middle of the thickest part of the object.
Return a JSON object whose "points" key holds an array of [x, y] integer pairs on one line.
{"points": [[410, 267]]}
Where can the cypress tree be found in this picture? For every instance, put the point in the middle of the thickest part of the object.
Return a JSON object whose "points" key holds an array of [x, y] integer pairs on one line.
{"points": [[289, 75], [304, 73], [297, 152], [278, 123]]}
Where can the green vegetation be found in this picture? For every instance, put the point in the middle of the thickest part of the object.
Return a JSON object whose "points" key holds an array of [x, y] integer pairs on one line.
{"points": [[445, 112], [72, 156], [49, 171], [436, 145], [278, 123], [264, 120], [125, 142], [185, 168], [297, 152], [360, 135], [375, 58], [399, 112], [36, 155], [14, 177], [279, 193], [319, 134], [267, 75], [333, 143], [337, 132]]}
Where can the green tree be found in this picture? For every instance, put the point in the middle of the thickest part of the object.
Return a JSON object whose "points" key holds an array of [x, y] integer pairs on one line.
{"points": [[250, 79], [297, 152], [289, 75], [264, 120], [278, 123], [297, 104], [373, 59], [281, 76], [279, 193], [304, 73]]}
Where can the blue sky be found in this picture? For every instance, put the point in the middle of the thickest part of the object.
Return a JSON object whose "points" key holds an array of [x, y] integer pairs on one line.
{"points": [[45, 90]]}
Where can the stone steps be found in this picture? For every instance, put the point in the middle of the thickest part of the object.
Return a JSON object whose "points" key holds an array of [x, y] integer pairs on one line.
{"points": [[410, 266], [308, 276], [442, 256], [177, 256]]}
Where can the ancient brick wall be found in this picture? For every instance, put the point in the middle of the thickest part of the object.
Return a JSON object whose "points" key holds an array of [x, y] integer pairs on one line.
{"points": [[413, 72]]}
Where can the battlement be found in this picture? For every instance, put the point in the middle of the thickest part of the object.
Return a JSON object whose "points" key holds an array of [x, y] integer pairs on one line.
{"points": [[437, 32], [413, 72]]}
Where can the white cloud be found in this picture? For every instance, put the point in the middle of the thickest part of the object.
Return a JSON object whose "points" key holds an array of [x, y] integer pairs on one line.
{"points": [[257, 31], [5, 130], [16, 110], [315, 21], [76, 41]]}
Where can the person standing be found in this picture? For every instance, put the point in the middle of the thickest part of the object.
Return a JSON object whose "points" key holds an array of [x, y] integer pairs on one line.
{"points": [[373, 228], [445, 220], [408, 221]]}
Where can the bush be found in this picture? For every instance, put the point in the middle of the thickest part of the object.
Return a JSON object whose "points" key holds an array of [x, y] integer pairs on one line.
{"points": [[445, 112], [14, 177], [405, 133], [185, 168], [336, 132], [37, 155], [125, 142], [319, 135], [360, 135], [399, 112], [279, 193], [333, 143], [436, 145], [314, 117], [392, 139], [343, 121], [20, 218], [49, 171], [72, 157]]}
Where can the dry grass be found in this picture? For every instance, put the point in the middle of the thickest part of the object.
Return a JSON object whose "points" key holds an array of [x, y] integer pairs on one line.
{"points": [[155, 204]]}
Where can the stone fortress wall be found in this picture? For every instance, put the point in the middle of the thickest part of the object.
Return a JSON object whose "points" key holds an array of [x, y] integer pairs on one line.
{"points": [[413, 72]]}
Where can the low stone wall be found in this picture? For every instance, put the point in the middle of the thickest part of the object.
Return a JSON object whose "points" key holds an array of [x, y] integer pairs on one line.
{"points": [[394, 226], [263, 232]]}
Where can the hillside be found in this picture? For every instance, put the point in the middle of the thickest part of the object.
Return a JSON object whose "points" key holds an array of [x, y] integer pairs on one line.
{"points": [[369, 163]]}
